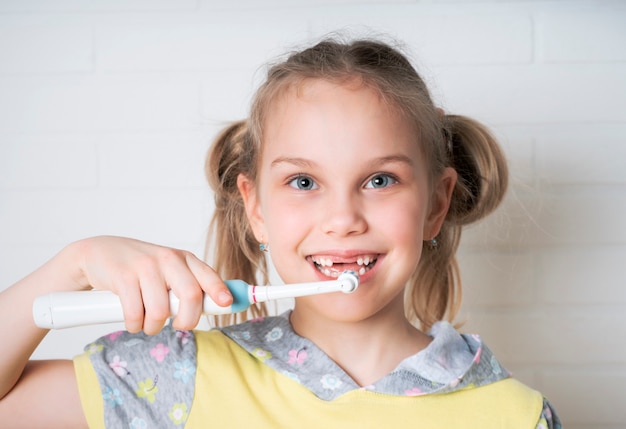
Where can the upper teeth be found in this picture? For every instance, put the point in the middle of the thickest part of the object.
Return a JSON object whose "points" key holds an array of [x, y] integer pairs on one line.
{"points": [[363, 261], [327, 262]]}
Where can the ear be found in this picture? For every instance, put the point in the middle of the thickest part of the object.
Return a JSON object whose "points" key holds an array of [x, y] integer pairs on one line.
{"points": [[440, 202], [248, 192]]}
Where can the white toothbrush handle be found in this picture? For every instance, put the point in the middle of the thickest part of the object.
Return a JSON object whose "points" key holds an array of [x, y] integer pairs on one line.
{"points": [[69, 309]]}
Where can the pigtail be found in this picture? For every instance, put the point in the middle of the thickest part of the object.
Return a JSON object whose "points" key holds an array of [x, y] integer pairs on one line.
{"points": [[237, 254], [435, 293], [483, 174]]}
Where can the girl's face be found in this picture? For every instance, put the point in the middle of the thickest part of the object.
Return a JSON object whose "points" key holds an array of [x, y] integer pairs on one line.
{"points": [[343, 185]]}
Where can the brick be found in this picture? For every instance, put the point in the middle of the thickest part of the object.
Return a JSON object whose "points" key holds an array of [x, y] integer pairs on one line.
{"points": [[496, 279], [564, 216], [582, 36], [562, 153], [216, 40], [512, 225], [18, 260], [539, 94], [148, 213], [226, 96], [163, 160], [90, 103], [582, 275], [435, 37], [551, 335], [48, 161], [519, 150], [140, 103], [582, 160], [47, 216], [53, 217], [571, 425], [270, 4], [592, 396], [525, 375], [91, 6], [42, 44]]}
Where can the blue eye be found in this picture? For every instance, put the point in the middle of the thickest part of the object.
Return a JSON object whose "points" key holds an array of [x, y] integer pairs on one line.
{"points": [[380, 181], [304, 183]]}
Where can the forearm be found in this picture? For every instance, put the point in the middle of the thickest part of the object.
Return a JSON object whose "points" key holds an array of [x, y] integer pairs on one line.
{"points": [[140, 273], [18, 333]]}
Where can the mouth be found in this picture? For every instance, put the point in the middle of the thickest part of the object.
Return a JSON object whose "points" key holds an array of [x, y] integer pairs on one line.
{"points": [[333, 266]]}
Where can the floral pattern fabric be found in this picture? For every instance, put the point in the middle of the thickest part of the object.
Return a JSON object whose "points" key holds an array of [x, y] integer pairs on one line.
{"points": [[146, 381], [149, 381], [451, 362]]}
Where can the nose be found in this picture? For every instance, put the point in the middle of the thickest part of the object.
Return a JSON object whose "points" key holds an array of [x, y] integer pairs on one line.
{"points": [[344, 216]]}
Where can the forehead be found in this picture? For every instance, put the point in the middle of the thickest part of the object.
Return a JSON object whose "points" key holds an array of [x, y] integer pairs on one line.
{"points": [[348, 119], [320, 102], [311, 90]]}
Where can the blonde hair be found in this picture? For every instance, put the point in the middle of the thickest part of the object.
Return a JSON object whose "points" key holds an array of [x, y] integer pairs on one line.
{"points": [[434, 291]]}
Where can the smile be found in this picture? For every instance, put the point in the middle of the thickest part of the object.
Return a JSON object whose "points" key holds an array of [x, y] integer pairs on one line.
{"points": [[332, 266]]}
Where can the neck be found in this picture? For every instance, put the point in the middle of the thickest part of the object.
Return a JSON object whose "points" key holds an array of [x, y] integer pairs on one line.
{"points": [[367, 350]]}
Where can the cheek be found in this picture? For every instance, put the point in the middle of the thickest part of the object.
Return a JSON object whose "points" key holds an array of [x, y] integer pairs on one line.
{"points": [[404, 231], [403, 220], [285, 222]]}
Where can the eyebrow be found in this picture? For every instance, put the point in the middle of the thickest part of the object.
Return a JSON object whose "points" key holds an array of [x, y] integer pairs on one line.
{"points": [[302, 162], [393, 159]]}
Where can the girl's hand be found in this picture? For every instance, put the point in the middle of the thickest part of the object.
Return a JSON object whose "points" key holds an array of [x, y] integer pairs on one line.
{"points": [[142, 274]]}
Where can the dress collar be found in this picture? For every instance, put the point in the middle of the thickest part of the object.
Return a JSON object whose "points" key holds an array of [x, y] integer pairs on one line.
{"points": [[452, 361]]}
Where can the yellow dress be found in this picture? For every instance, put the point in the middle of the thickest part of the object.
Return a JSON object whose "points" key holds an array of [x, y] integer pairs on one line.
{"points": [[233, 384]]}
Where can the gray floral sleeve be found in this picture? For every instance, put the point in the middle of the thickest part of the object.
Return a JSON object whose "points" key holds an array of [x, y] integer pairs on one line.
{"points": [[146, 381], [548, 418]]}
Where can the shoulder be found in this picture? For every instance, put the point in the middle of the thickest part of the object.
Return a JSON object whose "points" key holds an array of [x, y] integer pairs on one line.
{"points": [[124, 354], [512, 393], [140, 378], [548, 419], [523, 403], [505, 403], [485, 381]]}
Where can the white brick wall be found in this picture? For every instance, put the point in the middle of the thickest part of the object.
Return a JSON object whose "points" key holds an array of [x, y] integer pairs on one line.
{"points": [[107, 108]]}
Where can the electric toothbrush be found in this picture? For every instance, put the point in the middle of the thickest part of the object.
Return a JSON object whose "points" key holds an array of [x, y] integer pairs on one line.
{"points": [[68, 309]]}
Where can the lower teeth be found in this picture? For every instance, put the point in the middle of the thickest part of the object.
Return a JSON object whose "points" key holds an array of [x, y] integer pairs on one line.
{"points": [[329, 273], [334, 273]]}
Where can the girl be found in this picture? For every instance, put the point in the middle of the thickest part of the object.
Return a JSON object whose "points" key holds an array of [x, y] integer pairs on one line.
{"points": [[344, 163]]}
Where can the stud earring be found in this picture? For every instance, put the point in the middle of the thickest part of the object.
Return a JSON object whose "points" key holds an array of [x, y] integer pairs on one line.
{"points": [[264, 247], [433, 243]]}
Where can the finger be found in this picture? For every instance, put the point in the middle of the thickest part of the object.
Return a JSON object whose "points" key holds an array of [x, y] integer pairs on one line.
{"points": [[184, 285], [132, 305], [155, 297], [209, 281]]}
